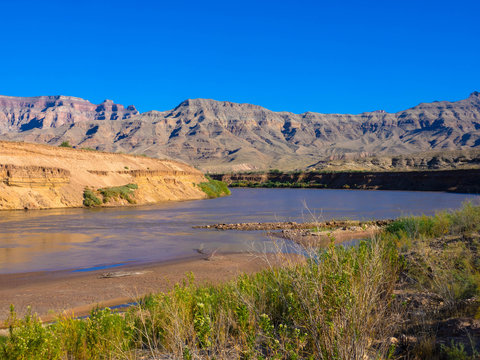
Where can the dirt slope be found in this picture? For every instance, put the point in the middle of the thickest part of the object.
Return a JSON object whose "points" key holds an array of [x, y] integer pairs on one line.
{"points": [[36, 176]]}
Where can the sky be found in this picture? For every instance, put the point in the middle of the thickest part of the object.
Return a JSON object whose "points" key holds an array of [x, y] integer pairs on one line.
{"points": [[322, 56]]}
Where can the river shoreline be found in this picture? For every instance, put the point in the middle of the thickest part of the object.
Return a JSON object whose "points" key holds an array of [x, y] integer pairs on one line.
{"points": [[50, 294]]}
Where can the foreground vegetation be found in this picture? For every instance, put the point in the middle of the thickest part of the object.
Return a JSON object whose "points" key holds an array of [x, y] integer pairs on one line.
{"points": [[383, 299]]}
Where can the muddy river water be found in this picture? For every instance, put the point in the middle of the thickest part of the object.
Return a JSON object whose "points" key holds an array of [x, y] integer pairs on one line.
{"points": [[87, 239]]}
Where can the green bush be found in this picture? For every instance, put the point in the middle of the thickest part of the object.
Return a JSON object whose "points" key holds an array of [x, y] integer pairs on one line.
{"points": [[125, 192], [214, 188], [65, 144], [90, 199]]}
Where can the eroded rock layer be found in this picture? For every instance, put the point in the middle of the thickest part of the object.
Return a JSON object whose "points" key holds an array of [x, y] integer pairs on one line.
{"points": [[38, 176]]}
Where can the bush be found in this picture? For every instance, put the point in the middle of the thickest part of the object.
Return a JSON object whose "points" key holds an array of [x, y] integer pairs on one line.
{"points": [[214, 188], [90, 199], [125, 192], [119, 192], [65, 144]]}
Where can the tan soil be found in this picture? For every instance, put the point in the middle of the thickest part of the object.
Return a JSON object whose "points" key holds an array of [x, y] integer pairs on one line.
{"points": [[39, 176], [51, 293]]}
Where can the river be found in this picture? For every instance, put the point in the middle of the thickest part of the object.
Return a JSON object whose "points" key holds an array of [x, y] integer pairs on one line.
{"points": [[88, 239]]}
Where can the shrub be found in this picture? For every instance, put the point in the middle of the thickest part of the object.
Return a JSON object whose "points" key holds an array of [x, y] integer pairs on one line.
{"points": [[119, 192], [65, 144], [90, 199], [214, 188]]}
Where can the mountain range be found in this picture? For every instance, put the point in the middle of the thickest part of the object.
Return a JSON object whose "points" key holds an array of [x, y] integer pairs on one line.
{"points": [[220, 136]]}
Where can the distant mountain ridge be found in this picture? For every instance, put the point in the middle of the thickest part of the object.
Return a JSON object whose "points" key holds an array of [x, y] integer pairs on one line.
{"points": [[225, 136], [26, 113]]}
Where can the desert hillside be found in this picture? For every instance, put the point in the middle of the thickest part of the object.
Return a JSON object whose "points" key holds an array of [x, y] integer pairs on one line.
{"points": [[36, 176], [220, 136]]}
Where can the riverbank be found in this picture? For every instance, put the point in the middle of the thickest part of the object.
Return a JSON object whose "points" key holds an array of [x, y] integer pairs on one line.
{"points": [[52, 293], [34, 176], [460, 181]]}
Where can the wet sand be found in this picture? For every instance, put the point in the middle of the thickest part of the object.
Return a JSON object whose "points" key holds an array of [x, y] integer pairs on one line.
{"points": [[52, 293]]}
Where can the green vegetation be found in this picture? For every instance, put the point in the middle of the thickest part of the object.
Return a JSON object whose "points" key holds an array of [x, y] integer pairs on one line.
{"points": [[214, 188], [90, 199], [65, 144], [277, 184], [335, 303], [325, 308], [442, 255], [442, 270], [126, 192]]}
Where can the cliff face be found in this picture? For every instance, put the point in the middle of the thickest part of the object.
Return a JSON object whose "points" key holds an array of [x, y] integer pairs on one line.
{"points": [[40, 176], [464, 181], [223, 136]]}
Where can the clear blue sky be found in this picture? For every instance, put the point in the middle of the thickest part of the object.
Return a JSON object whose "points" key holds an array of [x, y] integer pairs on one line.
{"points": [[323, 56]]}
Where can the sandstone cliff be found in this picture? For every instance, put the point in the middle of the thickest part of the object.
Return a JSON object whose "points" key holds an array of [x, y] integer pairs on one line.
{"points": [[39, 176], [223, 136]]}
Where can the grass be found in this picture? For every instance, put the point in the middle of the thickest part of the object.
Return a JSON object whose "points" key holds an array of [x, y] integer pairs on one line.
{"points": [[214, 188], [463, 221], [104, 195]]}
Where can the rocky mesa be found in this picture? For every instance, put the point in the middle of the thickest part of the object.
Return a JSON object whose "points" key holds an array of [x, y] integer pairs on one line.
{"points": [[221, 136], [34, 176]]}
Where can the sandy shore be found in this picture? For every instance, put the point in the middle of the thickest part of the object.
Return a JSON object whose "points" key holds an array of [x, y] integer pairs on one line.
{"points": [[52, 293]]}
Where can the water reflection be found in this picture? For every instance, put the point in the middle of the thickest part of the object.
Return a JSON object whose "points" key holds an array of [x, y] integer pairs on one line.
{"points": [[83, 238]]}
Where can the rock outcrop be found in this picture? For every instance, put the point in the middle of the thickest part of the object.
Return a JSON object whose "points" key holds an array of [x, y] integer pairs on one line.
{"points": [[223, 136], [36, 176]]}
